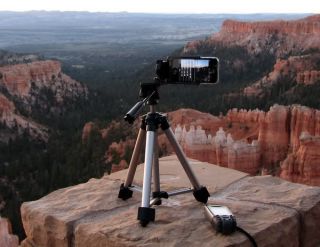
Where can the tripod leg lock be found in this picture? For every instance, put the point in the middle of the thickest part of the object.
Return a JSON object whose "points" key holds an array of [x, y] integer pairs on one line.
{"points": [[124, 192], [201, 194], [160, 194], [145, 215]]}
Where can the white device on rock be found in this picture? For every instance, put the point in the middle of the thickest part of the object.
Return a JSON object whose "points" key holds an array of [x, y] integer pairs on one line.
{"points": [[221, 218]]}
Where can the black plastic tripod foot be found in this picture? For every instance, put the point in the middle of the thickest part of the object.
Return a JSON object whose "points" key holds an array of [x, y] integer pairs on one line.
{"points": [[201, 194], [145, 215], [124, 192]]}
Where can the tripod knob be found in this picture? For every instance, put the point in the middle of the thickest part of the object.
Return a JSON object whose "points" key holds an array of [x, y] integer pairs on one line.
{"points": [[134, 112]]}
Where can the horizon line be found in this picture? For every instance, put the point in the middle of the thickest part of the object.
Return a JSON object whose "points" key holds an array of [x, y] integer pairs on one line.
{"points": [[164, 13]]}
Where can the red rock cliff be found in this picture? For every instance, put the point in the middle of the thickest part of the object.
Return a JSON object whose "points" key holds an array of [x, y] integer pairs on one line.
{"points": [[12, 120], [20, 79], [302, 166], [309, 25], [276, 37], [299, 69], [36, 86]]}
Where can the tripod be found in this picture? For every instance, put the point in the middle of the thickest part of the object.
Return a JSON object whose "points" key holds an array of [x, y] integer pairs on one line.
{"points": [[148, 129]]}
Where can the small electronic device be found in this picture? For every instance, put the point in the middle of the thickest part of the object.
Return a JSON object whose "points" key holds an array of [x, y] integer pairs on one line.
{"points": [[221, 218], [188, 70]]}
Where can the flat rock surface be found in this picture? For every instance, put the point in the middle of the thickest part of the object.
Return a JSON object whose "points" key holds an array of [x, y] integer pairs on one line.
{"points": [[273, 211]]}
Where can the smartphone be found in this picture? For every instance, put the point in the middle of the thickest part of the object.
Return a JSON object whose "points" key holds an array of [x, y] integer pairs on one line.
{"points": [[188, 70]]}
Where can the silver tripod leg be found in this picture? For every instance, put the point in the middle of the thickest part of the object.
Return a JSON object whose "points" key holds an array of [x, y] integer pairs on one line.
{"points": [[156, 173], [182, 158], [148, 160], [145, 212], [135, 157]]}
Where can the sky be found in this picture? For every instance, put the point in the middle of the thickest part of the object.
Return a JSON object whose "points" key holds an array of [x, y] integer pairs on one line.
{"points": [[167, 6]]}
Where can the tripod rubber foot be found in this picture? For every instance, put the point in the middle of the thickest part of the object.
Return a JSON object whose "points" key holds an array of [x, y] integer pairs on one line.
{"points": [[201, 194], [124, 192], [145, 215]]}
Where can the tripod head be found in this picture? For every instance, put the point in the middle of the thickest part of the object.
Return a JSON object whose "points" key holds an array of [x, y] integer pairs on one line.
{"points": [[150, 96]]}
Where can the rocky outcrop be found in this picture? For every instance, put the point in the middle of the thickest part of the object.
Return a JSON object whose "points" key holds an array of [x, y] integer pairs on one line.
{"points": [[90, 214], [303, 119], [23, 79], [17, 124], [298, 69], [6, 237], [274, 134]]}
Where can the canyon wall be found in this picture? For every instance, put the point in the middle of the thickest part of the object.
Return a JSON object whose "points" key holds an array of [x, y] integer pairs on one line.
{"points": [[308, 25], [23, 79], [16, 124], [283, 141], [36, 87], [277, 37], [299, 69]]}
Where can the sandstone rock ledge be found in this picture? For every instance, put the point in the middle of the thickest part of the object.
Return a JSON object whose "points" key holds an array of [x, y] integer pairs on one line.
{"points": [[275, 212]]}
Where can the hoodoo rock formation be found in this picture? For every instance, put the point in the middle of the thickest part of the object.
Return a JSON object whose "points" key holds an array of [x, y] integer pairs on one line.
{"points": [[303, 166], [258, 142]]}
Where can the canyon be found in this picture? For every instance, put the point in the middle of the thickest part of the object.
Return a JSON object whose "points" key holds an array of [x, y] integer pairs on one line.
{"points": [[257, 60]]}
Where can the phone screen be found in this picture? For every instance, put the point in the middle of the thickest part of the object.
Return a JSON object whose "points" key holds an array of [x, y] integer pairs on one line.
{"points": [[194, 70]]}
